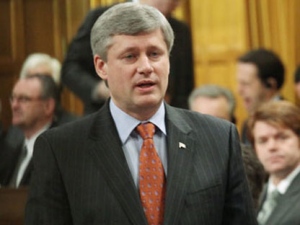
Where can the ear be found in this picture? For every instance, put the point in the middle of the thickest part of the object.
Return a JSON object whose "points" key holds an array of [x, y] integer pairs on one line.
{"points": [[271, 83], [49, 106], [100, 67]]}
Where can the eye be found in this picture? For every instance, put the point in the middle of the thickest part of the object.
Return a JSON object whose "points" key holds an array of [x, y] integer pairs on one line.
{"points": [[129, 57], [261, 140], [154, 54], [283, 136]]}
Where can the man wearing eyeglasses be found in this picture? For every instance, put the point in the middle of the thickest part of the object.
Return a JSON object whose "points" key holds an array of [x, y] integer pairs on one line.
{"points": [[33, 104]]}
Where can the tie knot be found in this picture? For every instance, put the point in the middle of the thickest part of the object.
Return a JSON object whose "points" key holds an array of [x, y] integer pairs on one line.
{"points": [[274, 194], [146, 130]]}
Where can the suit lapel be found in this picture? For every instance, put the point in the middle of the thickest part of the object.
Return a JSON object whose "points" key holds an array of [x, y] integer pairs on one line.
{"points": [[286, 203], [180, 147], [106, 150]]}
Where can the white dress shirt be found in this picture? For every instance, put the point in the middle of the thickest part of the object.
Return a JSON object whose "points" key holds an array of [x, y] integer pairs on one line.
{"points": [[29, 143]]}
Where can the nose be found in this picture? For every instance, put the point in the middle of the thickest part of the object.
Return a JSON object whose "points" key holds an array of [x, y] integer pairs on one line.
{"points": [[144, 65], [271, 146], [14, 103]]}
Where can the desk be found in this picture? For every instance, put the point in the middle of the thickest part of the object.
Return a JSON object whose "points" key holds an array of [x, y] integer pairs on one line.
{"points": [[12, 206]]}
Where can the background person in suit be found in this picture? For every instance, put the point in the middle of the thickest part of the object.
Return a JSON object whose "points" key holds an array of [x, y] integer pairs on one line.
{"points": [[87, 172], [275, 134], [213, 100], [33, 103], [260, 76], [78, 72]]}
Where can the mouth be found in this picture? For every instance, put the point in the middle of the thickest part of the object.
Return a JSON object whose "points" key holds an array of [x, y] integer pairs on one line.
{"points": [[145, 84], [274, 159]]}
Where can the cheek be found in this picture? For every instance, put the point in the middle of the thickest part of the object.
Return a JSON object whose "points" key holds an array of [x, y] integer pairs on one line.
{"points": [[259, 153]]}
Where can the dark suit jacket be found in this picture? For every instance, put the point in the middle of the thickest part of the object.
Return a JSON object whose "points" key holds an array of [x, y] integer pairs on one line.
{"points": [[9, 155], [78, 72], [11, 147], [81, 175], [287, 211]]}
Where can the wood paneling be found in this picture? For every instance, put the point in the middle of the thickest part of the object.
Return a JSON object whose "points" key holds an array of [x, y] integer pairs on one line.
{"points": [[11, 51], [219, 31], [12, 206]]}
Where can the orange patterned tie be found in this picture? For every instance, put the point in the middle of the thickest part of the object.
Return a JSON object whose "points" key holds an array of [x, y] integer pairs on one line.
{"points": [[152, 178]]}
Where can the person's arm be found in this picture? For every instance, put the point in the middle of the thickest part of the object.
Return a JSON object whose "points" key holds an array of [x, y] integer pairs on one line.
{"points": [[47, 202], [238, 208], [182, 65], [78, 72]]}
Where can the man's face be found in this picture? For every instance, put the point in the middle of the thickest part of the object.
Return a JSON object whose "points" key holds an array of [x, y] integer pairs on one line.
{"points": [[217, 107], [277, 148], [26, 103], [250, 87], [137, 71]]}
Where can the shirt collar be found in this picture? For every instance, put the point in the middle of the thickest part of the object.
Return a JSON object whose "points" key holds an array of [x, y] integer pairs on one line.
{"points": [[126, 124], [29, 142], [285, 183]]}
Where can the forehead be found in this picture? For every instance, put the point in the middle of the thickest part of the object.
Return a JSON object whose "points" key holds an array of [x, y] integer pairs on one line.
{"points": [[218, 107], [262, 128], [29, 87], [153, 39], [247, 71]]}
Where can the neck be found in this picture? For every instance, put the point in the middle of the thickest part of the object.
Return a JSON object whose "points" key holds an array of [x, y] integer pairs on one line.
{"points": [[30, 132]]}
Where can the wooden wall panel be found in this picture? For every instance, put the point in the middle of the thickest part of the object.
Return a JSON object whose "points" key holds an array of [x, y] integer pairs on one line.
{"points": [[11, 51], [219, 31]]}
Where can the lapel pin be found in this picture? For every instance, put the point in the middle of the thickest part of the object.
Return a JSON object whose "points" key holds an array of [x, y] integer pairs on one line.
{"points": [[182, 145]]}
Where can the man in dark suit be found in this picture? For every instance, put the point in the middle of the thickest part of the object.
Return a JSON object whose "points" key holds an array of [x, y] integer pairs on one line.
{"points": [[275, 135], [33, 103], [79, 75], [93, 171]]}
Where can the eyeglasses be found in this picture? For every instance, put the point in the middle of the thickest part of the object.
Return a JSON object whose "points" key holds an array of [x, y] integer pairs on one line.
{"points": [[23, 99]]}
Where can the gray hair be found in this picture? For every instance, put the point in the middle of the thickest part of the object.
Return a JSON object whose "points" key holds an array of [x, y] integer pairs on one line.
{"points": [[213, 91], [128, 19], [41, 59]]}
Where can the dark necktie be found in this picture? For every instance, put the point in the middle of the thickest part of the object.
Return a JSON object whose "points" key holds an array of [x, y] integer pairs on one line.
{"points": [[14, 180], [268, 206], [151, 177]]}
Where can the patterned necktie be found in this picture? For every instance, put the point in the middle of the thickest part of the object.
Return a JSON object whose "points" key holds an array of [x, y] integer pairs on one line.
{"points": [[268, 207], [151, 177]]}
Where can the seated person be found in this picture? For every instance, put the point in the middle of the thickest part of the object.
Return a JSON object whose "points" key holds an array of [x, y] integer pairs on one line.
{"points": [[274, 130], [33, 103], [213, 100], [40, 63]]}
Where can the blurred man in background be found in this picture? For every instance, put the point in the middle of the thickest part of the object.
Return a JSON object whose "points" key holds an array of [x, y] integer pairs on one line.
{"points": [[213, 100], [275, 134], [33, 104], [260, 76]]}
